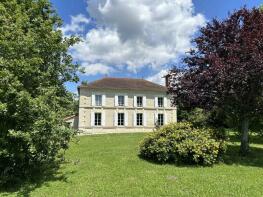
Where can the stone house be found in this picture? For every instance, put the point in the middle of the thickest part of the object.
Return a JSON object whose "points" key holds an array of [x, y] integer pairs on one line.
{"points": [[119, 105]]}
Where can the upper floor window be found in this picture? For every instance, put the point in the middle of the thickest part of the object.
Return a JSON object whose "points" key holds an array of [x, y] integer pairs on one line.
{"points": [[98, 100], [160, 101], [139, 119], [97, 119], [139, 101], [120, 119], [120, 100], [160, 120]]}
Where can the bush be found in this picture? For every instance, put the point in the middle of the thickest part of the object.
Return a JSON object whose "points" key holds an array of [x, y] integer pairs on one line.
{"points": [[183, 143]]}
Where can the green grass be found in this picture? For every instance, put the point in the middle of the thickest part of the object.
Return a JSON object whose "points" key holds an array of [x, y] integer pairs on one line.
{"points": [[108, 165]]}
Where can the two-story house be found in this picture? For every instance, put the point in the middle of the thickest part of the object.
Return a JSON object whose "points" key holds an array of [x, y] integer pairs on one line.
{"points": [[113, 105]]}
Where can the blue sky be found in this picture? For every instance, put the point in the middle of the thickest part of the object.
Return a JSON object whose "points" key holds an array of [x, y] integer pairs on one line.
{"points": [[136, 38]]}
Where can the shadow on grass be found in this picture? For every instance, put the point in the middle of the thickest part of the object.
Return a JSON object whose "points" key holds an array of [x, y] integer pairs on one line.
{"points": [[25, 187]]}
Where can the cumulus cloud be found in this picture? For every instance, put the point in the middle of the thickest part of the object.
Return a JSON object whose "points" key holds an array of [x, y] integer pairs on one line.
{"points": [[158, 77], [140, 33], [77, 25], [94, 69]]}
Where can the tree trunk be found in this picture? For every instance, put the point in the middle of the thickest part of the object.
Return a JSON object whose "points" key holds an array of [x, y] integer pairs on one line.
{"points": [[244, 137]]}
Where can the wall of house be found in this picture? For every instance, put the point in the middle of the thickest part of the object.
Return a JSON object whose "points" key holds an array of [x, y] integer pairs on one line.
{"points": [[109, 111]]}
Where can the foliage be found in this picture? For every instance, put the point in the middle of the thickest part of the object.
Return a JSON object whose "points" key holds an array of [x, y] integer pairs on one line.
{"points": [[34, 65], [181, 142], [225, 71]]}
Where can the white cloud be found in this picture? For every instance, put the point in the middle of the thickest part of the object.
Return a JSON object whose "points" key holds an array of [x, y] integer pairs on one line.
{"points": [[159, 77], [134, 34], [77, 25], [94, 69]]}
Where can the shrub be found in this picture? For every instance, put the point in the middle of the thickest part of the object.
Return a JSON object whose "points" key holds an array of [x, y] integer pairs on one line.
{"points": [[183, 143]]}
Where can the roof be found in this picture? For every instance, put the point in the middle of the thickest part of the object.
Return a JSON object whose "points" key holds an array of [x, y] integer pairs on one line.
{"points": [[124, 84]]}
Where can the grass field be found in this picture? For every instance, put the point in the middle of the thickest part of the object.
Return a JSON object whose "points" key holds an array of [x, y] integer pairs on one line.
{"points": [[108, 165]]}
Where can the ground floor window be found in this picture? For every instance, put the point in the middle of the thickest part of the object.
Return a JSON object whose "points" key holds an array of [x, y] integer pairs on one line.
{"points": [[160, 120], [139, 119], [120, 119], [97, 119]]}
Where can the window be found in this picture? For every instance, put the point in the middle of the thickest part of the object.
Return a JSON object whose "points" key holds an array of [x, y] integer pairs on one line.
{"points": [[160, 120], [98, 100], [121, 100], [139, 119], [160, 101], [97, 119], [120, 119], [139, 101]]}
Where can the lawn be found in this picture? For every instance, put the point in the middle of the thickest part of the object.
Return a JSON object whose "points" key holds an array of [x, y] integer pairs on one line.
{"points": [[108, 165]]}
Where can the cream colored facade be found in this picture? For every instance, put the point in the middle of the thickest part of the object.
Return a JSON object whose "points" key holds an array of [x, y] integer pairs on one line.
{"points": [[109, 110]]}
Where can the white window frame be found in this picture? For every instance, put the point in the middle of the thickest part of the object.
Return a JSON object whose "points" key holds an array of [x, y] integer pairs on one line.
{"points": [[125, 104], [93, 99], [96, 121], [99, 103], [141, 101], [123, 121], [140, 121]]}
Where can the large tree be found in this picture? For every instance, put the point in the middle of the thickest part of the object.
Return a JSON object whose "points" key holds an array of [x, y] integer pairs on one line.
{"points": [[34, 65], [225, 70]]}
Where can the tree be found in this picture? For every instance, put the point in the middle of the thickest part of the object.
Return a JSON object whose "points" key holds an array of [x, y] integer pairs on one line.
{"points": [[226, 69], [34, 65]]}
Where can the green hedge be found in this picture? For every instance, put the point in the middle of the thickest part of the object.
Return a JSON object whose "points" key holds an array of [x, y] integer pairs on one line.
{"points": [[183, 143]]}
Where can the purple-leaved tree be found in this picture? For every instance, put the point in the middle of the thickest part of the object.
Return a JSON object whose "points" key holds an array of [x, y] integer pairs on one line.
{"points": [[225, 69]]}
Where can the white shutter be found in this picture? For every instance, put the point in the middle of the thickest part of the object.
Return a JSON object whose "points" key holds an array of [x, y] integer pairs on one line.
{"points": [[115, 119], [134, 119], [156, 101], [135, 101], [103, 100], [126, 119], [92, 118], [144, 101], [93, 100], [165, 118], [145, 119], [103, 119], [165, 101], [155, 118], [116, 100], [126, 101]]}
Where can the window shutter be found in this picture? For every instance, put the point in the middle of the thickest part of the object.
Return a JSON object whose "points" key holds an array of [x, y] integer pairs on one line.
{"points": [[155, 118], [145, 119], [116, 100], [115, 119], [126, 101], [103, 119], [103, 100], [134, 118], [93, 100], [144, 101], [126, 119], [92, 119], [135, 101], [165, 101], [156, 101], [165, 118]]}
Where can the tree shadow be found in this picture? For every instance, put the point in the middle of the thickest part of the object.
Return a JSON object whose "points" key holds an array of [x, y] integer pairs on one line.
{"points": [[42, 178]]}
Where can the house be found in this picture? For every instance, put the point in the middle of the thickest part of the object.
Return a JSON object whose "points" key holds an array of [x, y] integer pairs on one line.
{"points": [[117, 105]]}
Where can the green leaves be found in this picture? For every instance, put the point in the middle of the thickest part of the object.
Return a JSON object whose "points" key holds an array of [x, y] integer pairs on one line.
{"points": [[34, 64], [181, 142]]}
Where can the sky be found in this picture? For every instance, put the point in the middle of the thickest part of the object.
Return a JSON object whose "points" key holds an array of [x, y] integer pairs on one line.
{"points": [[136, 38]]}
